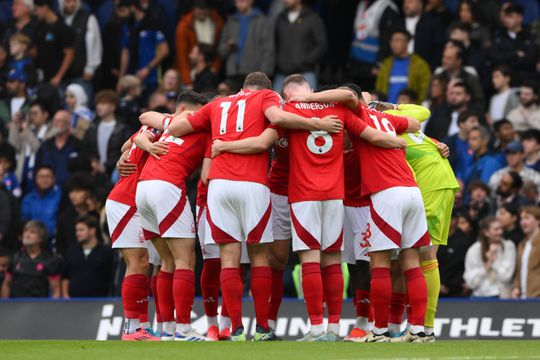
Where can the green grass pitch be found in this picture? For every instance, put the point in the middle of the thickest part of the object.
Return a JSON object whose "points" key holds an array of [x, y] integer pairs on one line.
{"points": [[97, 350]]}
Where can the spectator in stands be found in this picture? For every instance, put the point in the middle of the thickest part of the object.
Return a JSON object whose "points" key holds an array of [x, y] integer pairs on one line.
{"points": [[79, 189], [19, 45], [508, 190], [530, 192], [452, 260], [202, 25], [247, 43], [142, 55], [87, 42], [460, 158], [514, 46], [438, 10], [171, 82], [77, 105], [469, 14], [156, 100], [403, 70], [54, 41], [301, 43], [205, 80], [15, 106], [88, 265], [479, 205], [33, 272], [446, 122], [26, 135], [372, 29], [22, 22], [474, 55], [427, 34], [105, 137], [7, 175], [4, 263], [407, 96], [530, 140], [129, 107], [527, 277], [58, 152], [4, 69], [516, 162], [527, 115], [9, 220], [485, 162], [505, 99], [508, 216], [436, 98], [453, 67], [504, 134], [111, 36], [490, 262], [42, 203]]}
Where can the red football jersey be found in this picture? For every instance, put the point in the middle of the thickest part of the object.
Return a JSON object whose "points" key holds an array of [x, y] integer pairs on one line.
{"points": [[185, 155], [279, 171], [382, 168], [125, 188], [202, 189], [316, 157], [232, 118], [353, 183]]}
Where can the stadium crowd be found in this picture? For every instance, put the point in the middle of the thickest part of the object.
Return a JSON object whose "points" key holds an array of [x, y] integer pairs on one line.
{"points": [[75, 75]]}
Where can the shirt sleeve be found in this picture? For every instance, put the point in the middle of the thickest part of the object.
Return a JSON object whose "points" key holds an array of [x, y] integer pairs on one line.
{"points": [[160, 38], [124, 37], [353, 123], [68, 38], [270, 98], [200, 121], [54, 268], [208, 150]]}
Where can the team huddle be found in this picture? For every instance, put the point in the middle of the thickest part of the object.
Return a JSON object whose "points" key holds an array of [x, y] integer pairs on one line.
{"points": [[347, 183]]}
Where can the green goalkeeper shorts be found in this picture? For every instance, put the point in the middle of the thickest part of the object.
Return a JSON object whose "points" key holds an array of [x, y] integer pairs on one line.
{"points": [[439, 205]]}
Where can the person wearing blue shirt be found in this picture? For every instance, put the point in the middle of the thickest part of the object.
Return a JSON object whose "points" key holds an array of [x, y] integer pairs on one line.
{"points": [[485, 163], [461, 157], [143, 47], [42, 203]]}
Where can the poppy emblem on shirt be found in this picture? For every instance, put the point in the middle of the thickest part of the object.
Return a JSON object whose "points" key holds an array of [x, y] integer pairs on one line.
{"points": [[39, 267]]}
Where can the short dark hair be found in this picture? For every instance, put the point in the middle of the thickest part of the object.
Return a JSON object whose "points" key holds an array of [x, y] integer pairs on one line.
{"points": [[202, 4], [89, 220], [401, 30], [464, 86], [460, 48], [460, 26], [354, 87], [108, 96], [530, 84], [531, 134], [410, 93], [478, 184], [517, 181], [259, 80], [499, 123], [207, 51], [48, 3], [80, 181], [294, 79], [42, 167], [42, 104], [189, 97], [467, 114], [514, 8], [505, 70], [512, 208]]}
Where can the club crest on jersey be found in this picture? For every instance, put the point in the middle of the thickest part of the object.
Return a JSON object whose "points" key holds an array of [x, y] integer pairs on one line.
{"points": [[282, 142]]}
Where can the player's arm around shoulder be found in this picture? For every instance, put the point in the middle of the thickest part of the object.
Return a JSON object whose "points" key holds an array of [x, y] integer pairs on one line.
{"points": [[285, 119], [154, 119], [145, 142], [251, 145], [382, 139], [344, 96]]}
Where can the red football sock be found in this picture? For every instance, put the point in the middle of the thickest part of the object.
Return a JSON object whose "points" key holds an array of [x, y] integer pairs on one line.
{"points": [[333, 288], [224, 311], [261, 290], [277, 293], [210, 285], [381, 292], [417, 290], [165, 296], [153, 285], [397, 305], [143, 317], [312, 285], [408, 308], [134, 291], [232, 288], [184, 293], [362, 303]]}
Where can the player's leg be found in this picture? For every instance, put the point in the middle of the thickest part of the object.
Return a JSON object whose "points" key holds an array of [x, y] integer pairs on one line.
{"points": [[164, 288], [332, 244], [279, 252], [232, 285], [363, 307], [153, 286], [415, 235], [261, 283], [398, 300], [306, 218], [430, 268], [381, 293]]}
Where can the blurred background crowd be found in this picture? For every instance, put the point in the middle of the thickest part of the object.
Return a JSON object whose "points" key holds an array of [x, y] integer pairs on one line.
{"points": [[75, 75]]}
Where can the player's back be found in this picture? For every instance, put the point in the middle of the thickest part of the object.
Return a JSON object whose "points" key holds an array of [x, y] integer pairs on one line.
{"points": [[125, 188], [237, 117], [382, 168], [316, 157], [432, 171]]}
